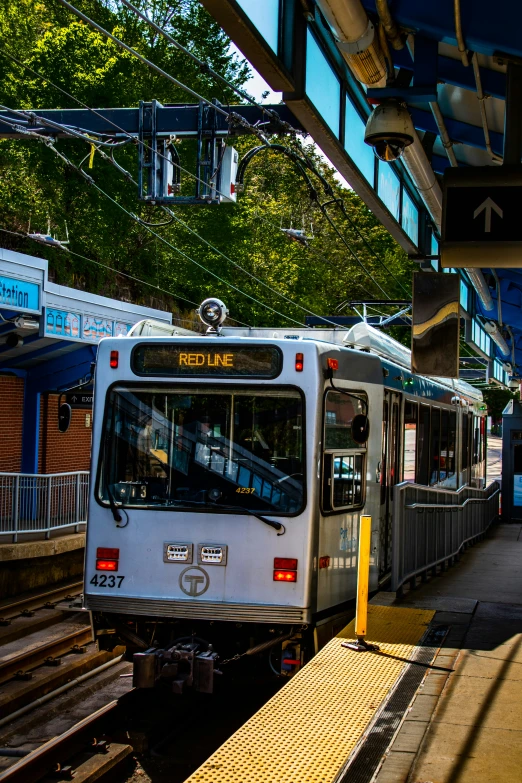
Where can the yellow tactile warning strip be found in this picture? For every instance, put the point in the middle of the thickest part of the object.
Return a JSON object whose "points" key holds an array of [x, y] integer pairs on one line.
{"points": [[307, 731]]}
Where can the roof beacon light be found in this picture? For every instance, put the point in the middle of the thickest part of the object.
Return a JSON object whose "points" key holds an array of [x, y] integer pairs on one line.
{"points": [[333, 364], [213, 313]]}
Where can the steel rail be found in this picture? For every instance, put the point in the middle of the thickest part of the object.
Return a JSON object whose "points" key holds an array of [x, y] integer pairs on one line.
{"points": [[30, 659], [51, 756], [40, 601]]}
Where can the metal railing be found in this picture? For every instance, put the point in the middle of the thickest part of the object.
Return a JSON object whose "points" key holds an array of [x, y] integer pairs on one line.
{"points": [[430, 526], [41, 504]]}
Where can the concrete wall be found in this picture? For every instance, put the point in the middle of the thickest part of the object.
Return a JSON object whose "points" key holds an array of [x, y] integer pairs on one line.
{"points": [[32, 565], [11, 417], [60, 452]]}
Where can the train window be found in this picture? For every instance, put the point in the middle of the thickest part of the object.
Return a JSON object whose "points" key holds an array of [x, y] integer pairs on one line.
{"points": [[435, 446], [423, 446], [448, 434], [344, 458], [340, 411], [410, 440], [202, 448], [464, 444], [347, 481]]}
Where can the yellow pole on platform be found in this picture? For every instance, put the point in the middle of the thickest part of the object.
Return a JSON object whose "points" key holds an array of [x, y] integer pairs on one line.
{"points": [[363, 577]]}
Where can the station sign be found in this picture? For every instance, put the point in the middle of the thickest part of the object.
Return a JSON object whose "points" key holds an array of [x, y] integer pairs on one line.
{"points": [[481, 223], [79, 399], [20, 296]]}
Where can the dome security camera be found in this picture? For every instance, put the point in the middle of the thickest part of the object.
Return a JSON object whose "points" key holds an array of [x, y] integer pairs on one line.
{"points": [[212, 312], [389, 130]]}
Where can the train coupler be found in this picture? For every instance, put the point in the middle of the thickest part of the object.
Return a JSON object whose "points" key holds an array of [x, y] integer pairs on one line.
{"points": [[183, 666]]}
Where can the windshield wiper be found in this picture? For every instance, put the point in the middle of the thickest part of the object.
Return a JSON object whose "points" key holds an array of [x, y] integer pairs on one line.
{"points": [[232, 507], [269, 522]]}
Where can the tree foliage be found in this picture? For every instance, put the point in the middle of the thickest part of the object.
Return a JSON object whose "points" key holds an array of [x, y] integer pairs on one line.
{"points": [[37, 186]]}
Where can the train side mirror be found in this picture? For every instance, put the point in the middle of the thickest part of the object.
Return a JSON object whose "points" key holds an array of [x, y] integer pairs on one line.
{"points": [[64, 417], [360, 428]]}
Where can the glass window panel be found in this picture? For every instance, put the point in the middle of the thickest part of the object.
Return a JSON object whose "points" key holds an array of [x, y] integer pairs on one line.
{"points": [[464, 446], [434, 250], [410, 217], [423, 446], [343, 481], [322, 84], [265, 17], [168, 448], [361, 154], [464, 295], [358, 479], [410, 440], [340, 410], [435, 446], [388, 188]]}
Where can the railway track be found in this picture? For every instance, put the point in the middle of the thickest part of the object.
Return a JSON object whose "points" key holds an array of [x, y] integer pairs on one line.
{"points": [[25, 607], [81, 752]]}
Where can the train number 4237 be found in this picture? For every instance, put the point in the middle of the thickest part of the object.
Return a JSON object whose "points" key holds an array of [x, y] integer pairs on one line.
{"points": [[106, 580]]}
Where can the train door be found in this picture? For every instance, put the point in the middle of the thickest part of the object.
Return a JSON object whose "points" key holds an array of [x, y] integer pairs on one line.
{"points": [[390, 474]]}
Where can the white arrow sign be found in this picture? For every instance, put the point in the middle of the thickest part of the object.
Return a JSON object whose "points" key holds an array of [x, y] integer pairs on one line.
{"points": [[487, 206]]}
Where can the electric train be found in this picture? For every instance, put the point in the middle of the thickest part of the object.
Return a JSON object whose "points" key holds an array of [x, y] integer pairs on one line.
{"points": [[229, 472]]}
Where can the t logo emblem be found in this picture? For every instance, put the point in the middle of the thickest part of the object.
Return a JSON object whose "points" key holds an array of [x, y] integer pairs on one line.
{"points": [[194, 581]]}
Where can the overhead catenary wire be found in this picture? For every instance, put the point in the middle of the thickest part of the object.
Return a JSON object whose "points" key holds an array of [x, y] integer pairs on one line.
{"points": [[180, 252], [306, 160], [230, 116], [64, 129], [105, 266], [205, 68]]}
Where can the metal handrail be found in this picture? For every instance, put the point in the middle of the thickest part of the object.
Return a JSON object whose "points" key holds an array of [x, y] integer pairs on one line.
{"points": [[41, 504], [421, 542], [48, 475], [445, 507]]}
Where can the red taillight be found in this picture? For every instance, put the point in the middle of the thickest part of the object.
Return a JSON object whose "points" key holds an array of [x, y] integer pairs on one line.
{"points": [[106, 565], [288, 563], [333, 364], [114, 359], [285, 576], [299, 362], [107, 553]]}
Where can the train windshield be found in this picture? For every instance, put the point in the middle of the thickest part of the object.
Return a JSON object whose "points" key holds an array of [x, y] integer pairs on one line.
{"points": [[204, 449]]}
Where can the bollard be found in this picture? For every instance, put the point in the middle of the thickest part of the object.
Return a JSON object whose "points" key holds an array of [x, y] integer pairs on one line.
{"points": [[363, 582]]}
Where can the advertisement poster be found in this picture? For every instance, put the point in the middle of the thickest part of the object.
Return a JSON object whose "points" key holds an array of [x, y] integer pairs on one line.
{"points": [[60, 323], [121, 328], [96, 328]]}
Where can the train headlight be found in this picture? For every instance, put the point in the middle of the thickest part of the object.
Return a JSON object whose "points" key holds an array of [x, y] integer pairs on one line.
{"points": [[212, 312]]}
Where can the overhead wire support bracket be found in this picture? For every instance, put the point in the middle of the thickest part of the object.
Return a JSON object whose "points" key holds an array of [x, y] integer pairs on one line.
{"points": [[158, 160]]}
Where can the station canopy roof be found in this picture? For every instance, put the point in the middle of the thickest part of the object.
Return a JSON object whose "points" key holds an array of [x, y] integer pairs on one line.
{"points": [[430, 70]]}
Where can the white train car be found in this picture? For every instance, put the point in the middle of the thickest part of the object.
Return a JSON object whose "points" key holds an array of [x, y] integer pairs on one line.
{"points": [[228, 476]]}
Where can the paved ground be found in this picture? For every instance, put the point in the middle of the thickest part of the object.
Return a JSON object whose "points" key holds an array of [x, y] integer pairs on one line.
{"points": [[465, 725]]}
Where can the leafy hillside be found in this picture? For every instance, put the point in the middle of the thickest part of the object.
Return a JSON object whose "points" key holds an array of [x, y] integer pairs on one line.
{"points": [[258, 265]]}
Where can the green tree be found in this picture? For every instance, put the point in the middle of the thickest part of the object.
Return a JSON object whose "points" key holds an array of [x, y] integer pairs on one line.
{"points": [[37, 186]]}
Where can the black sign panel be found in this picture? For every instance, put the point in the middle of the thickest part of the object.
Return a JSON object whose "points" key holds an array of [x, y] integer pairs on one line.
{"points": [[79, 399], [197, 360], [481, 217], [435, 325], [485, 214]]}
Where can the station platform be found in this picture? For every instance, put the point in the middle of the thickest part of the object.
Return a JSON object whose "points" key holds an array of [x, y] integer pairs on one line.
{"points": [[440, 701]]}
